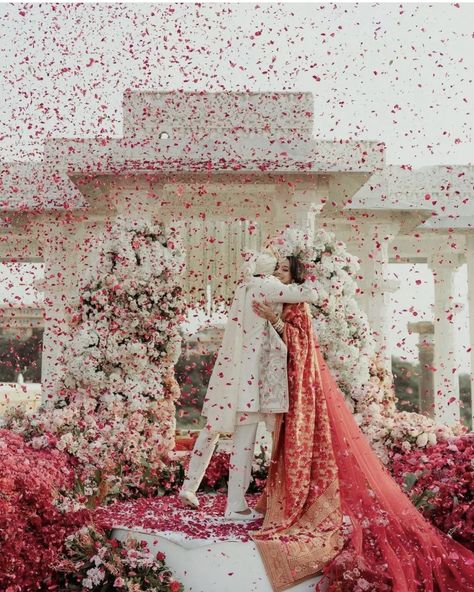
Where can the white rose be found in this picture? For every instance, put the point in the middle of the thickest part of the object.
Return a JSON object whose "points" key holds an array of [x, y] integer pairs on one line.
{"points": [[65, 441], [422, 440], [432, 438], [39, 442], [373, 408]]}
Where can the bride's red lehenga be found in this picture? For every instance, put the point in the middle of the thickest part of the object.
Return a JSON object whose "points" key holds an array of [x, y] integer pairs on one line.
{"points": [[323, 473]]}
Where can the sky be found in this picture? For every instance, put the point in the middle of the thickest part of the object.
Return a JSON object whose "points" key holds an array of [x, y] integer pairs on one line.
{"points": [[397, 73], [401, 73]]}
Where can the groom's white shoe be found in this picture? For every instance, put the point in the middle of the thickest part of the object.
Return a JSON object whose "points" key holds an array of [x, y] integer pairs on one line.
{"points": [[252, 515], [189, 498]]}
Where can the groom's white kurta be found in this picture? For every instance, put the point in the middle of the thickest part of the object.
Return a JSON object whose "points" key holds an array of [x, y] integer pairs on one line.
{"points": [[234, 387]]}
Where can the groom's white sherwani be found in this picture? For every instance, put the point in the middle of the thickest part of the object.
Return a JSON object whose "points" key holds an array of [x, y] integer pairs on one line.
{"points": [[248, 382], [238, 379]]}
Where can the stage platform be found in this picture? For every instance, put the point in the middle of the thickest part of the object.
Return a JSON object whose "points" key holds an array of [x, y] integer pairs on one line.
{"points": [[205, 552]]}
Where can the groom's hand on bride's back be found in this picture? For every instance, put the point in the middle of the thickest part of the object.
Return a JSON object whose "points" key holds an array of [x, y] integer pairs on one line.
{"points": [[263, 309]]}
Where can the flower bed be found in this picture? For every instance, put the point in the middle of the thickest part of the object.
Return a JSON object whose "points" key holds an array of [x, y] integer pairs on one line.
{"points": [[39, 538], [32, 527], [440, 482], [115, 411]]}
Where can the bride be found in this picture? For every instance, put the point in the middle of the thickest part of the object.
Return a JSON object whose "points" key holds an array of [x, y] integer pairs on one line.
{"points": [[330, 505]]}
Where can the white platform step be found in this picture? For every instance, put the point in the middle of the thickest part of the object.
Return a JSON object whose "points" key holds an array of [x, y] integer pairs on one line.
{"points": [[209, 565]]}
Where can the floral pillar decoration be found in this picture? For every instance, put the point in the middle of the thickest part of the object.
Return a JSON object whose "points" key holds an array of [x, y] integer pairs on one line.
{"points": [[115, 411]]}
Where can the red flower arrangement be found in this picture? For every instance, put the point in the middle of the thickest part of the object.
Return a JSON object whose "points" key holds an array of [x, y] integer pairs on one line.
{"points": [[217, 472], [440, 482], [37, 537], [32, 527]]}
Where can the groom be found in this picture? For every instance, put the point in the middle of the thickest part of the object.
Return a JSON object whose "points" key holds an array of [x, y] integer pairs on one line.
{"points": [[240, 382]]}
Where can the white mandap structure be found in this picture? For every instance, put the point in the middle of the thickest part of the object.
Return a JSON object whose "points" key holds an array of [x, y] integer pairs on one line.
{"points": [[228, 170]]}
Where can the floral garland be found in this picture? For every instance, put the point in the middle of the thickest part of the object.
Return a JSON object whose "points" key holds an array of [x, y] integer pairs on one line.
{"points": [[126, 337], [342, 328]]}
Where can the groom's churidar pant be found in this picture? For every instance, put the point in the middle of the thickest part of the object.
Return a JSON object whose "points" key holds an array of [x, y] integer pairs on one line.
{"points": [[243, 444]]}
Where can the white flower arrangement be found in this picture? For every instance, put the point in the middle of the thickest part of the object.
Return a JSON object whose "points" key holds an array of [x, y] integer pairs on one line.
{"points": [[342, 328]]}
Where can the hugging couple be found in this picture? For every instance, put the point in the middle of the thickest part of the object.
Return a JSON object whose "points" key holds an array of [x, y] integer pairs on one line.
{"points": [[329, 506]]}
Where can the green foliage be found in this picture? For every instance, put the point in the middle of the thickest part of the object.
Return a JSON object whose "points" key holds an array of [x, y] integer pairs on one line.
{"points": [[422, 499], [21, 356], [406, 376], [192, 373]]}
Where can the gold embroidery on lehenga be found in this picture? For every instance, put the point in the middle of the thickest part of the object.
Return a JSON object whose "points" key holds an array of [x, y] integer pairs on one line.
{"points": [[302, 530], [307, 545]]}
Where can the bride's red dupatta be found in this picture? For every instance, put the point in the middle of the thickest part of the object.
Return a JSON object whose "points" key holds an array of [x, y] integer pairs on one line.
{"points": [[323, 468], [392, 546], [301, 531]]}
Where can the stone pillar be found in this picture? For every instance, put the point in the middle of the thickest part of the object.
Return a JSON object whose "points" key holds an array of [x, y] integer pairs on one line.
{"points": [[71, 246], [135, 199], [425, 331], [371, 245], [446, 380], [56, 285], [304, 200], [290, 206], [470, 298], [274, 222]]}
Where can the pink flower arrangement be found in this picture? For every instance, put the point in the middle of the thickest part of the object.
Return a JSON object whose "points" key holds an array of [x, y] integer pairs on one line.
{"points": [[115, 410], [93, 561], [440, 482], [32, 527]]}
